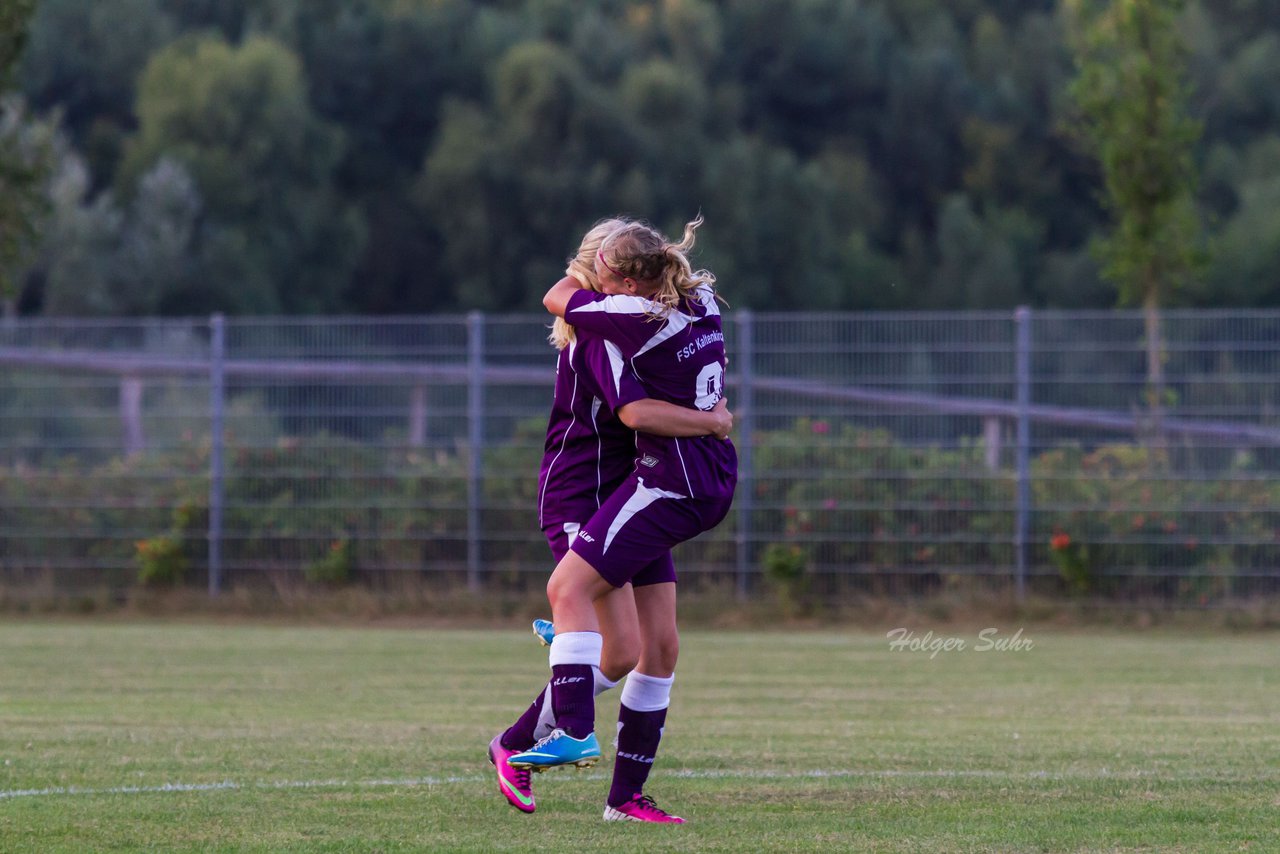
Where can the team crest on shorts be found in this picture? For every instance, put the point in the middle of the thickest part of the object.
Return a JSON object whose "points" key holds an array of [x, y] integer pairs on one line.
{"points": [[648, 461]]}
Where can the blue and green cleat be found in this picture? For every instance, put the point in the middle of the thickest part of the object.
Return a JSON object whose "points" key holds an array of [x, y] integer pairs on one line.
{"points": [[556, 750], [545, 631]]}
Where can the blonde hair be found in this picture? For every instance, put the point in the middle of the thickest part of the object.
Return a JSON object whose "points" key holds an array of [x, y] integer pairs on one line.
{"points": [[582, 267], [637, 251]]}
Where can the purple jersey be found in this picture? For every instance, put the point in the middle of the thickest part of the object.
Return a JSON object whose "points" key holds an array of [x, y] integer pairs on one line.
{"points": [[678, 357], [588, 450]]}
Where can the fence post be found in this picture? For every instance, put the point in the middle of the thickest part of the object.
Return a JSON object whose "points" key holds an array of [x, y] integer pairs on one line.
{"points": [[1022, 516], [418, 416], [217, 358], [131, 414], [991, 427], [475, 436], [744, 407]]}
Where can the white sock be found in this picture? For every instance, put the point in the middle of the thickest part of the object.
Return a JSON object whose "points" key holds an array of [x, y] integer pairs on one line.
{"points": [[644, 693], [546, 717], [603, 683], [576, 648]]}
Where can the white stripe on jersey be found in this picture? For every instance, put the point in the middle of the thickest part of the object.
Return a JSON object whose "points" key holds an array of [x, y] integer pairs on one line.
{"points": [[640, 499], [616, 365], [683, 468], [707, 299], [563, 442], [676, 322], [595, 425], [626, 304], [620, 304]]}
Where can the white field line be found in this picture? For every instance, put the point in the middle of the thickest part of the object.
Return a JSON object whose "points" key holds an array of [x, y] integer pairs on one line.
{"points": [[688, 774]]}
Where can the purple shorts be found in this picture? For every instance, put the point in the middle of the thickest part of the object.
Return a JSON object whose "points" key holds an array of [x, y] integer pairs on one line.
{"points": [[658, 571], [638, 526]]}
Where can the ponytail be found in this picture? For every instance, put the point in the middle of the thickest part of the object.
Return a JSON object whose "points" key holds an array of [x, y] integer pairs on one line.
{"points": [[640, 252]]}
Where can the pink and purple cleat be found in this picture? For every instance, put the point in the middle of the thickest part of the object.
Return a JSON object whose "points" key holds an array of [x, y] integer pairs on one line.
{"points": [[514, 783], [641, 808]]}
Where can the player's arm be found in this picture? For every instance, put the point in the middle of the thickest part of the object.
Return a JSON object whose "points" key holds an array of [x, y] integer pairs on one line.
{"points": [[667, 419], [557, 299]]}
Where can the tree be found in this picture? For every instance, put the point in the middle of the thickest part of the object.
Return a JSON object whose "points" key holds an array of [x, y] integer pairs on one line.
{"points": [[23, 157], [276, 236], [14, 18], [81, 264], [811, 69], [782, 234], [432, 155], [512, 183], [159, 245], [1134, 117], [226, 16], [27, 154], [1247, 246], [983, 257], [83, 59]]}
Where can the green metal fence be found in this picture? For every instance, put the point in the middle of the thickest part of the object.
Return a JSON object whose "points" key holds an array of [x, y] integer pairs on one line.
{"points": [[903, 453]]}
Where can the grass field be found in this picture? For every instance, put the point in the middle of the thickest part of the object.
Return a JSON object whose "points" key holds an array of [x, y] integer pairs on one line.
{"points": [[178, 737]]}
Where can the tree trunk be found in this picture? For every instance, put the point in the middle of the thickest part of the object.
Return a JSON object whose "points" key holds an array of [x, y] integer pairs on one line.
{"points": [[1155, 366]]}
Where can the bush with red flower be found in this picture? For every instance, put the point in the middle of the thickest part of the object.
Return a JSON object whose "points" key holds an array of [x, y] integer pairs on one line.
{"points": [[1072, 560]]}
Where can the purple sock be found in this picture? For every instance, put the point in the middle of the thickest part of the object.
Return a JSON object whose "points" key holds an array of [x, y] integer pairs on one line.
{"points": [[519, 736], [638, 737], [573, 698]]}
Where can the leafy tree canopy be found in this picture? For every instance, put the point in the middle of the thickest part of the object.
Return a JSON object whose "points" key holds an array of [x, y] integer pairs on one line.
{"points": [[441, 155]]}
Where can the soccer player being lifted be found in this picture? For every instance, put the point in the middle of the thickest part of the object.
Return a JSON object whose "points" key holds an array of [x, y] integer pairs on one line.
{"points": [[659, 324]]}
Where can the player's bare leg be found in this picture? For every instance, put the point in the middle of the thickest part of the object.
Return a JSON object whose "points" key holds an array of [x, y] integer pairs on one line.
{"points": [[574, 589], [643, 711]]}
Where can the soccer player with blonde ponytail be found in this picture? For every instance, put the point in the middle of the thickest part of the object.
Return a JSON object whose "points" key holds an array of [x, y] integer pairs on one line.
{"points": [[638, 260], [597, 406], [661, 320]]}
